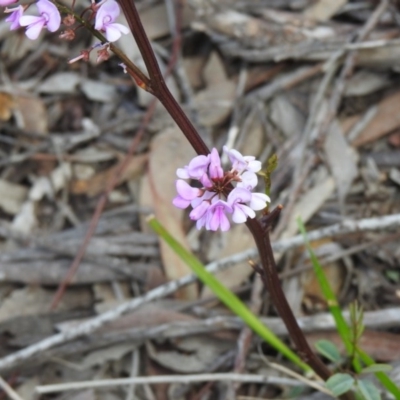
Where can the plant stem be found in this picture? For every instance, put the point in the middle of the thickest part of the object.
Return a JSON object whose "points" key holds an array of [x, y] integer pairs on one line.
{"points": [[161, 91]]}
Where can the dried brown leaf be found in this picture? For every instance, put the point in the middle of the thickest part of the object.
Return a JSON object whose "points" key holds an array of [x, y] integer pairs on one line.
{"points": [[169, 151], [386, 120], [98, 183]]}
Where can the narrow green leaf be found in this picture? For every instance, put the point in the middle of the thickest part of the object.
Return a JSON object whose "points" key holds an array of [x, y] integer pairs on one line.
{"points": [[226, 296], [368, 390], [383, 378], [340, 322], [328, 350], [376, 368], [339, 383]]}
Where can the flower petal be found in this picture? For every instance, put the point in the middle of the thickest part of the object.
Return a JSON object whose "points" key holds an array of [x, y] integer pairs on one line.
{"points": [[186, 191], [180, 202], [51, 14], [241, 212], [29, 20], [33, 30], [240, 195], [249, 180], [215, 168], [112, 33], [198, 166], [258, 201], [199, 211], [182, 173]]}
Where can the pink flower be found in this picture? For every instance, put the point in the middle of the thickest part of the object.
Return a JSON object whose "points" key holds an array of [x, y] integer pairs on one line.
{"points": [[5, 3], [242, 163], [196, 168], [215, 168], [249, 180], [14, 17], [216, 217], [236, 200], [216, 198], [186, 194], [105, 17], [258, 201], [49, 18]]}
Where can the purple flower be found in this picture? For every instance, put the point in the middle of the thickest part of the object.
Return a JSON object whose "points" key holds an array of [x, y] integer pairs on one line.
{"points": [[236, 200], [14, 17], [216, 199], [49, 18], [196, 168], [216, 171], [241, 163], [216, 217], [258, 201], [5, 3], [186, 194], [249, 180], [105, 17]]}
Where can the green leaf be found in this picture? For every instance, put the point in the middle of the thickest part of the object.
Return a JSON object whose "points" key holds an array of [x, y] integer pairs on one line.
{"points": [[226, 296], [339, 383], [368, 390], [328, 350], [272, 163], [376, 368]]}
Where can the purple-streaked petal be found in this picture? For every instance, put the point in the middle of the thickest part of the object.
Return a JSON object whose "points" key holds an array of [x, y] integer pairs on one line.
{"points": [[236, 158], [202, 221], [186, 191], [206, 181], [258, 201], [199, 211], [216, 216], [206, 196], [180, 202], [215, 168], [14, 17], [51, 14], [239, 195], [198, 166], [111, 7]]}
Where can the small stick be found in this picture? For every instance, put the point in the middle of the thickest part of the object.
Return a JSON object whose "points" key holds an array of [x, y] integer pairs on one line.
{"points": [[9, 390], [244, 378]]}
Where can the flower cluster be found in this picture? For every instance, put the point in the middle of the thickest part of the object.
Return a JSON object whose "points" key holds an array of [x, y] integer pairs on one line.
{"points": [[49, 17], [221, 192]]}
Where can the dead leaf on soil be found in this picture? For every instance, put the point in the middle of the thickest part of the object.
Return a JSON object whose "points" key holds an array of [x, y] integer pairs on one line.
{"points": [[60, 82], [342, 159], [7, 105], [323, 10], [36, 301], [32, 114], [12, 196], [99, 182], [386, 120], [169, 151], [311, 202], [224, 244]]}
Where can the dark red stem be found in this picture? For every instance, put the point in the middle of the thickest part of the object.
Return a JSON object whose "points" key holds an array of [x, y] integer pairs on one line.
{"points": [[261, 237]]}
